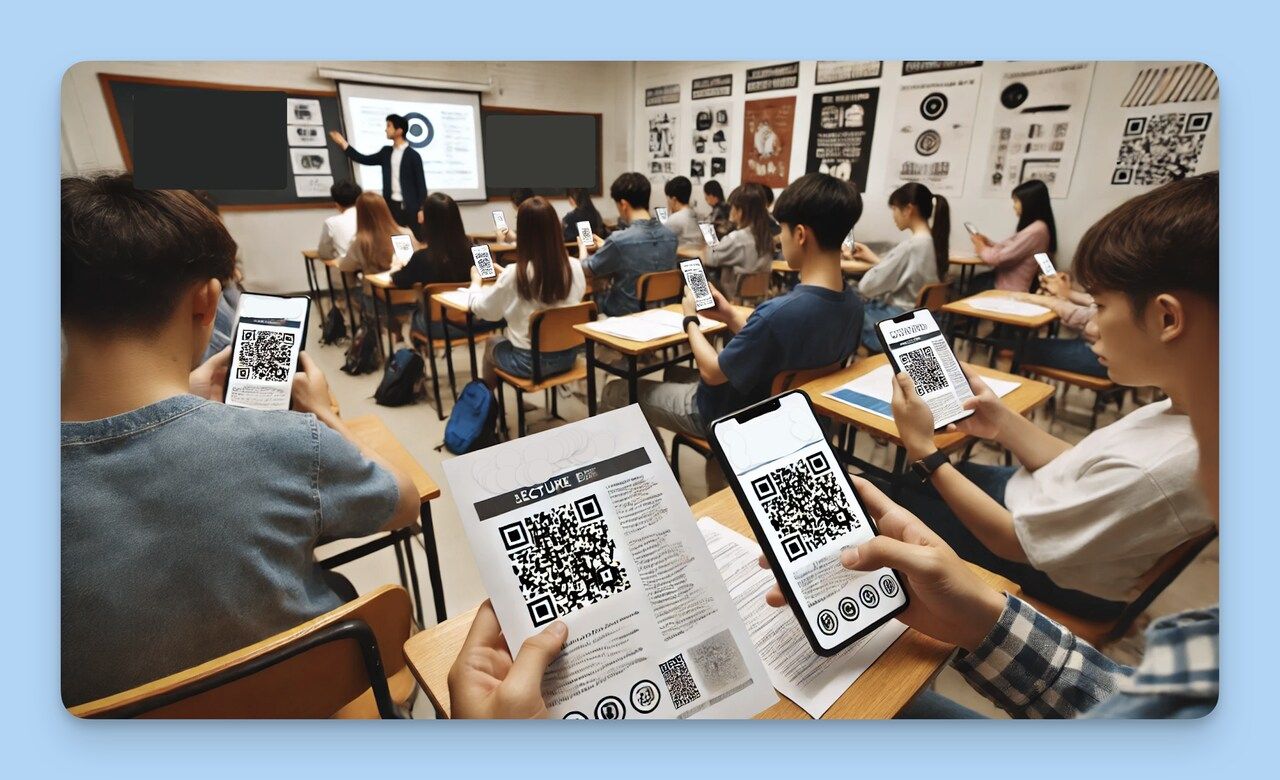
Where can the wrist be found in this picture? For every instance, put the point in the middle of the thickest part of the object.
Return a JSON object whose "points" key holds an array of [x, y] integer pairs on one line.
{"points": [[988, 606]]}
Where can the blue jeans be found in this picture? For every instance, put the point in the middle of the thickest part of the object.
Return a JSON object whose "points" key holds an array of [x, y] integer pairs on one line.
{"points": [[447, 330], [515, 360], [873, 312], [930, 705], [1066, 354], [925, 503]]}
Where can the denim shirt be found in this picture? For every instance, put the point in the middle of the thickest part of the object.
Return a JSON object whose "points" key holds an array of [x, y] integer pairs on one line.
{"points": [[189, 530], [643, 247]]}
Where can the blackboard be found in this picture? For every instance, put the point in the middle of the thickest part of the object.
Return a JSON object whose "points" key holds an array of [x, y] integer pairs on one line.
{"points": [[586, 155], [119, 92]]}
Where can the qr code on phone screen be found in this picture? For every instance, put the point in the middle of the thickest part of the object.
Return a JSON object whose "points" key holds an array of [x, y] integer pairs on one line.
{"points": [[265, 355], [806, 504], [922, 365]]}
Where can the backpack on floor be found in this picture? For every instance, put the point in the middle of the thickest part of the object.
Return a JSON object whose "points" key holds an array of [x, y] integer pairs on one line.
{"points": [[400, 379], [473, 423], [335, 327], [362, 355]]}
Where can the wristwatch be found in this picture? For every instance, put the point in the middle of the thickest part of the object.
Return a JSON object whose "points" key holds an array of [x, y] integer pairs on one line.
{"points": [[925, 467], [692, 318]]}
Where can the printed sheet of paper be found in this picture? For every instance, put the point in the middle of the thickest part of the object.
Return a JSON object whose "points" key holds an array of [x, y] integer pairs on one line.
{"points": [[460, 297], [812, 681], [585, 523], [646, 326], [1007, 306], [873, 391]]}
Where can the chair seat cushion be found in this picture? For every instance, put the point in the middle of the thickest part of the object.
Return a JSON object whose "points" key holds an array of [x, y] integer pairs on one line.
{"points": [[579, 371]]}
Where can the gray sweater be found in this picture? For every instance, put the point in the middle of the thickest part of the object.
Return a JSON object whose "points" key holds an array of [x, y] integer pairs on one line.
{"points": [[900, 274]]}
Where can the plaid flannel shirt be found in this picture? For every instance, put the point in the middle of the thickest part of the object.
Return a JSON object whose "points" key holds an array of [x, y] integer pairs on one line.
{"points": [[1032, 667]]}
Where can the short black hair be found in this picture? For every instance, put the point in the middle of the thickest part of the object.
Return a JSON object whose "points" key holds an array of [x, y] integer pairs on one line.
{"points": [[826, 205], [344, 193], [1163, 241], [129, 254], [633, 188], [713, 189], [679, 188], [398, 122], [520, 195]]}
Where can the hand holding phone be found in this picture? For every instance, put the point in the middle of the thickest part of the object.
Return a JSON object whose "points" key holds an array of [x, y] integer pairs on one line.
{"points": [[661, 211], [1046, 265], [969, 226], [499, 220], [402, 245], [483, 261], [586, 239], [269, 333], [696, 279], [708, 233], [915, 344]]}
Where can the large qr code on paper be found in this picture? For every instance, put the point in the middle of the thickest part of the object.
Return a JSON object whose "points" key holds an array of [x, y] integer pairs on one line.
{"points": [[679, 681], [806, 504], [922, 365], [1160, 149], [265, 355], [563, 559]]}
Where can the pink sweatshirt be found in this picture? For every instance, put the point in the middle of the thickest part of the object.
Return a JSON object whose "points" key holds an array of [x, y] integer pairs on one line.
{"points": [[1014, 258]]}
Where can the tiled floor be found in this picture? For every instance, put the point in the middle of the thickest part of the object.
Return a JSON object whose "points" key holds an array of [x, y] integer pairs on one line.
{"points": [[418, 428]]}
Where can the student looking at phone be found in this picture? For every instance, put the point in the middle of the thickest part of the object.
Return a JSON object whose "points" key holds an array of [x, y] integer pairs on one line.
{"points": [[371, 250], [644, 246], [1072, 350], [748, 248], [682, 220], [714, 195], [581, 209], [1014, 258], [891, 284], [188, 526], [1077, 526]]}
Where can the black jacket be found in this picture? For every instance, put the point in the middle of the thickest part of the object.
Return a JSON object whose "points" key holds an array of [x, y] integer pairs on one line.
{"points": [[413, 182]]}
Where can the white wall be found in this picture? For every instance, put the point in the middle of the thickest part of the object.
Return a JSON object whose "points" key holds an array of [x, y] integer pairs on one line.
{"points": [[1090, 196], [271, 241]]}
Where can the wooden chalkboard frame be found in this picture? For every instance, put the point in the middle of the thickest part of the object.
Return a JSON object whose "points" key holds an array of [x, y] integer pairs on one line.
{"points": [[105, 80], [595, 191]]}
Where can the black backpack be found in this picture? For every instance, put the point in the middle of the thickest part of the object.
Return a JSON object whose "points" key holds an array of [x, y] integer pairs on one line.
{"points": [[363, 354], [400, 379], [335, 327]]}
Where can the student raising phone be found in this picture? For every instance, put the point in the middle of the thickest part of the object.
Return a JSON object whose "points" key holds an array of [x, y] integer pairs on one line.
{"points": [[916, 345]]}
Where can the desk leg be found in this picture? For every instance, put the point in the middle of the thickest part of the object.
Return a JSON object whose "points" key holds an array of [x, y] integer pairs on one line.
{"points": [[391, 324], [346, 293], [471, 342], [633, 391], [435, 370], [404, 581], [433, 562], [377, 321], [313, 287], [1024, 336], [591, 378], [328, 281], [415, 590]]}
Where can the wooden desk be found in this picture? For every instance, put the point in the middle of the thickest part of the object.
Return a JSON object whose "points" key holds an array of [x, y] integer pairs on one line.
{"points": [[689, 253], [471, 328], [1025, 327], [375, 434], [309, 258], [1029, 396], [632, 350], [895, 678]]}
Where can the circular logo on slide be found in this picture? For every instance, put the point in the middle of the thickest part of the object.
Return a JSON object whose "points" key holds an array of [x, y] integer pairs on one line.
{"points": [[645, 696], [420, 131], [827, 622], [575, 715], [928, 143], [610, 708], [933, 106]]}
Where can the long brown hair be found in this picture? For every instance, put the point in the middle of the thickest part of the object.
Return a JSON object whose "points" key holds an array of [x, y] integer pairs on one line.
{"points": [[374, 228], [749, 200], [447, 244], [540, 243]]}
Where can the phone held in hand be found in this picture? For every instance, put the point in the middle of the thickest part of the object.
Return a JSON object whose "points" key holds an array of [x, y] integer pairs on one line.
{"points": [[804, 511], [402, 245], [708, 233], [1046, 264], [499, 220], [585, 237], [483, 261], [661, 211], [973, 230], [696, 278], [268, 337], [915, 344]]}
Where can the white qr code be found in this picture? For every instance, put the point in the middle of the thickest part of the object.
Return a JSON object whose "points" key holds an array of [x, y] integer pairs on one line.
{"points": [[265, 355], [805, 504], [922, 365], [1161, 148], [679, 681], [564, 559]]}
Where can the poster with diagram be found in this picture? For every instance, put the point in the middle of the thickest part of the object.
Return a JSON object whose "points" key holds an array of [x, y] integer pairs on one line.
{"points": [[709, 147], [767, 126], [1168, 124], [1039, 114], [663, 124], [932, 128], [841, 127]]}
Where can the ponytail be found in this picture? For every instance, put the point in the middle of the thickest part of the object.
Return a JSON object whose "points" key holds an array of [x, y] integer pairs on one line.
{"points": [[933, 209]]}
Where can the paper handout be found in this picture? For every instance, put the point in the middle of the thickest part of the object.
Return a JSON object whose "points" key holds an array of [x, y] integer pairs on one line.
{"points": [[873, 391]]}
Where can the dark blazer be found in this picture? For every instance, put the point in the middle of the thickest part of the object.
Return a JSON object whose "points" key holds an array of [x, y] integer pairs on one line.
{"points": [[413, 182]]}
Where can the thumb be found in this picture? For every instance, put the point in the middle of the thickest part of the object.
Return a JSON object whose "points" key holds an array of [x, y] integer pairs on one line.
{"points": [[882, 551], [537, 652]]}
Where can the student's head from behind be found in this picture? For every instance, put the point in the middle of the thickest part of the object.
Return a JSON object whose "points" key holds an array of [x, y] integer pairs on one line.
{"points": [[374, 228], [1151, 265], [520, 195], [1031, 204], [447, 241], [713, 192], [543, 264], [344, 193], [630, 192], [397, 126], [678, 192], [747, 211], [140, 263], [912, 204], [816, 212]]}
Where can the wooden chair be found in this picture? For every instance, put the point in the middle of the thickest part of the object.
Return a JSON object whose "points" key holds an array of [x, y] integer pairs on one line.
{"points": [[1100, 633], [550, 330], [934, 296], [753, 287], [433, 312], [1104, 389], [659, 287], [348, 663]]}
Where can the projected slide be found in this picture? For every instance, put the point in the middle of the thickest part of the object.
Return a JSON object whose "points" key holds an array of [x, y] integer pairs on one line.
{"points": [[443, 126]]}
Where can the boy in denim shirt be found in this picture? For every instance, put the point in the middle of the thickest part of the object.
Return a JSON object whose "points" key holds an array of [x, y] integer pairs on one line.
{"points": [[643, 247]]}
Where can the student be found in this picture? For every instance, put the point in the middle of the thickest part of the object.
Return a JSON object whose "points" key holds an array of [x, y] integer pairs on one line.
{"points": [[680, 217], [714, 195], [339, 230], [748, 249], [543, 277], [581, 209], [404, 183], [644, 246], [371, 251], [814, 325], [767, 194], [188, 527], [892, 284], [447, 254], [1075, 311], [1077, 526], [518, 196], [1014, 258]]}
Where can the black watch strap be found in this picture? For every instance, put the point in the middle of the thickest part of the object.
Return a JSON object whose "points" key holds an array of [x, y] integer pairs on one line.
{"points": [[925, 467], [692, 318]]}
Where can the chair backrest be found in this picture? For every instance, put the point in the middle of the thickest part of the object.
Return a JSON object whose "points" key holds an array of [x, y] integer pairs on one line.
{"points": [[1157, 578], [310, 671], [551, 330], [933, 296], [659, 286], [751, 286], [788, 379], [438, 312]]}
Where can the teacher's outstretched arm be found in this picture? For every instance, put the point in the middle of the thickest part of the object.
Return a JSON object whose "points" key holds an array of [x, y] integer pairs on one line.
{"points": [[365, 159]]}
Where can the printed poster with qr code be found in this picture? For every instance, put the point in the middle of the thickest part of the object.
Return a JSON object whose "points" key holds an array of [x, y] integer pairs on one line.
{"points": [[586, 524]]}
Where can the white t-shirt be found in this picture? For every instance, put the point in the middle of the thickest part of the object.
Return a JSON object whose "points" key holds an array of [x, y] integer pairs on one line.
{"points": [[684, 223], [1099, 516], [397, 154], [501, 300], [337, 234]]}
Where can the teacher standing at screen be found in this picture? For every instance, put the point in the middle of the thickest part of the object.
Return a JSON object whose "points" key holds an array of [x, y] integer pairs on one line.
{"points": [[404, 185]]}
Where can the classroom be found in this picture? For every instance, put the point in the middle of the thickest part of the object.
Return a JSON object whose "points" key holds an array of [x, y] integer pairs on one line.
{"points": [[637, 389]]}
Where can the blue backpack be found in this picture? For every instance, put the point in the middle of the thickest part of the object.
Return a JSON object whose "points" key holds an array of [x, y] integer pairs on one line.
{"points": [[473, 423]]}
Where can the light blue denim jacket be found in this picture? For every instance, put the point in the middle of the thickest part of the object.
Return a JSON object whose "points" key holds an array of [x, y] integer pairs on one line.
{"points": [[643, 247]]}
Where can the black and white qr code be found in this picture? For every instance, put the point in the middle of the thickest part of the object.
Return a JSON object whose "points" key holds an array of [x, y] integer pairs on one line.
{"points": [[265, 355], [563, 559], [679, 681], [698, 283], [484, 264], [922, 365], [806, 504], [1160, 149]]}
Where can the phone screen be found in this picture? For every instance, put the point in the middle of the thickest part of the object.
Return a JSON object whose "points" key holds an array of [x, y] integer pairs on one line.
{"points": [[483, 260], [696, 278], [804, 512], [915, 344], [403, 246], [269, 333], [1046, 265], [848, 241], [585, 236], [500, 220], [661, 211], [708, 233], [969, 226]]}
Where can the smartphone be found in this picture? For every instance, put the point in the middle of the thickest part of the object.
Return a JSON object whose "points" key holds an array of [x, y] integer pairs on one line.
{"points": [[483, 260], [848, 241], [708, 233], [1046, 265], [804, 511], [661, 211], [269, 333], [499, 220], [585, 236], [696, 278], [915, 344], [403, 246], [973, 230]]}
